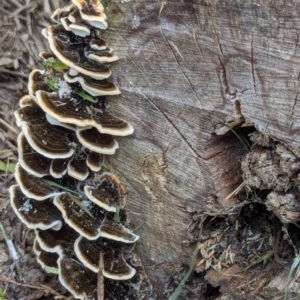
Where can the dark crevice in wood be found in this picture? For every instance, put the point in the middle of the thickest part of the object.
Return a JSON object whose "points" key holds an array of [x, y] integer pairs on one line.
{"points": [[218, 41], [224, 162], [224, 83], [252, 66]]}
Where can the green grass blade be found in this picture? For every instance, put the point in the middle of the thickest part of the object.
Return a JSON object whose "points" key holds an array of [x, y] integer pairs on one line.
{"points": [[294, 266], [117, 215], [10, 167], [85, 96], [56, 185], [178, 290]]}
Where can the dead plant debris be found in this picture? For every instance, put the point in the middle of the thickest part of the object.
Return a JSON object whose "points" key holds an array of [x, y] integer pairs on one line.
{"points": [[21, 22]]}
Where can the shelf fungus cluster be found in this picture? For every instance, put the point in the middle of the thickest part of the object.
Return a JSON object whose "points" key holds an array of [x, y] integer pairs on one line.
{"points": [[65, 134]]}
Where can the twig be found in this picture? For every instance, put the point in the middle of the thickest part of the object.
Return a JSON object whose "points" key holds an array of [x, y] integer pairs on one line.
{"points": [[42, 287], [13, 129], [16, 73], [236, 191], [100, 282], [161, 8], [17, 11]]}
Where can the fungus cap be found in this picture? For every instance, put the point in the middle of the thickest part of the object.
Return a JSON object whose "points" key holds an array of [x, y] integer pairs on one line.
{"points": [[62, 13], [50, 141], [109, 194], [64, 52], [34, 214], [57, 241], [32, 186], [25, 100], [37, 81], [45, 259], [92, 86], [80, 214], [30, 112], [30, 160], [95, 141], [78, 169], [95, 161], [117, 232], [79, 29], [115, 266], [79, 280], [101, 56], [58, 167], [82, 115], [92, 12]]}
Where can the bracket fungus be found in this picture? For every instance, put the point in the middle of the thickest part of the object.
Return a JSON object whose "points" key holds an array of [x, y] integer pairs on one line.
{"points": [[65, 135]]}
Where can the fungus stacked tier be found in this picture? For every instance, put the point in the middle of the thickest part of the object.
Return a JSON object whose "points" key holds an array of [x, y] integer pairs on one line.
{"points": [[65, 133]]}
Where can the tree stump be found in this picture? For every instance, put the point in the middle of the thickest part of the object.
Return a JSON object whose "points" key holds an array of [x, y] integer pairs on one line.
{"points": [[197, 77]]}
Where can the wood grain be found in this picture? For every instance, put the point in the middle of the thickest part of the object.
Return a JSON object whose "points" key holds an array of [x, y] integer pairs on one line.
{"points": [[183, 73]]}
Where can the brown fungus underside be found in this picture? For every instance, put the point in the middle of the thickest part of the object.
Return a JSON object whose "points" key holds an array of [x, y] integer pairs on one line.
{"points": [[65, 135]]}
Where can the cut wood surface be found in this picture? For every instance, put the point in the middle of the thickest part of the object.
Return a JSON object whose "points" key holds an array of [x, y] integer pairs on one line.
{"points": [[185, 69]]}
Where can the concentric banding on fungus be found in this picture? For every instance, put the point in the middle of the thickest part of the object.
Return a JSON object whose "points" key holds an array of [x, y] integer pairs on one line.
{"points": [[37, 81], [50, 141], [29, 113], [62, 13], [92, 86], [30, 160], [101, 56], [109, 194], [115, 266], [74, 16], [79, 280], [58, 167], [60, 241], [95, 141], [97, 44], [82, 115], [85, 218], [90, 221], [117, 232], [73, 59], [78, 169], [34, 214], [92, 12], [78, 29], [45, 259], [25, 100], [95, 161], [66, 22], [47, 55], [32, 186]]}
